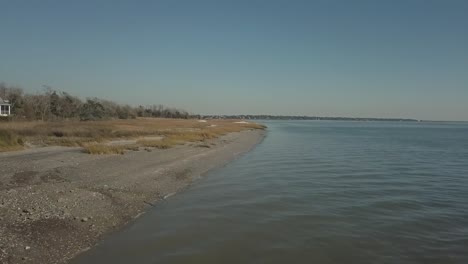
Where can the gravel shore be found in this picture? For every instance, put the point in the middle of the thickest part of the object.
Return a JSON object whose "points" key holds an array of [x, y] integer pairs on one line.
{"points": [[56, 202]]}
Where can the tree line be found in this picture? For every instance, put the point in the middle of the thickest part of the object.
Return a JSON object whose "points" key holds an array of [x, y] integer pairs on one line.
{"points": [[50, 104]]}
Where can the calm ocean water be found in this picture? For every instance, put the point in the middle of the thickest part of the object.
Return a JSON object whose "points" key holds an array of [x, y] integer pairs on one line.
{"points": [[317, 192]]}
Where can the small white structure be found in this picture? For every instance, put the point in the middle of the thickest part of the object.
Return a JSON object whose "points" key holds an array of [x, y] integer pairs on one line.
{"points": [[5, 108]]}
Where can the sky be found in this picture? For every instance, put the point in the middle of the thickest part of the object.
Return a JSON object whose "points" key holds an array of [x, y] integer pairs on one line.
{"points": [[402, 59]]}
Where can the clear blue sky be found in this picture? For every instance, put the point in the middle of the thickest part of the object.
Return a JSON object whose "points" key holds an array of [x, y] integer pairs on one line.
{"points": [[328, 58]]}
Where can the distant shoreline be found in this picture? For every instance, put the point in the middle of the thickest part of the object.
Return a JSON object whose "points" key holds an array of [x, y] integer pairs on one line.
{"points": [[325, 118]]}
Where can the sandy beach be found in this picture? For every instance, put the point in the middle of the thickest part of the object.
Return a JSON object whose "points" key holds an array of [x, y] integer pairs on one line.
{"points": [[58, 201]]}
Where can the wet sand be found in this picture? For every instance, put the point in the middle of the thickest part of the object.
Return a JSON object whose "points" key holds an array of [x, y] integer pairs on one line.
{"points": [[56, 202]]}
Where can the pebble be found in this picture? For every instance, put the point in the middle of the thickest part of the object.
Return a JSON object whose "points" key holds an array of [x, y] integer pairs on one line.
{"points": [[84, 219], [27, 247]]}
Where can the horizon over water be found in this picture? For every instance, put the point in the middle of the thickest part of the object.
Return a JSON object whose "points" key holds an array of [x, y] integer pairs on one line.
{"points": [[316, 192]]}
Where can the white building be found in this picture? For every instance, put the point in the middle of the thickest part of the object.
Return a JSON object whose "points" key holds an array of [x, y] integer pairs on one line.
{"points": [[5, 107]]}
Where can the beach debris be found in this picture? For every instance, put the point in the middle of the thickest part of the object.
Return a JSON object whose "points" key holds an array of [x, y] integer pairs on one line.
{"points": [[148, 203]]}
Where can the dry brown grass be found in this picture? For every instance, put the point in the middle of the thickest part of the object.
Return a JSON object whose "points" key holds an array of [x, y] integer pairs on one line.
{"points": [[96, 148], [93, 135], [10, 141], [160, 144]]}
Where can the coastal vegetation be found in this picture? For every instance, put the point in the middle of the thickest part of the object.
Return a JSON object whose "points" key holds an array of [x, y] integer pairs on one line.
{"points": [[100, 126], [53, 105], [9, 141], [117, 135]]}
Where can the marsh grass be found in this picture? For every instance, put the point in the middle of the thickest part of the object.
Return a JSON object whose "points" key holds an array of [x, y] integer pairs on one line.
{"points": [[99, 149], [93, 135], [160, 144], [10, 141]]}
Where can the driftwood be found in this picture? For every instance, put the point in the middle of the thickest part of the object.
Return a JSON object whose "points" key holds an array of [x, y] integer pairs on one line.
{"points": [[148, 203]]}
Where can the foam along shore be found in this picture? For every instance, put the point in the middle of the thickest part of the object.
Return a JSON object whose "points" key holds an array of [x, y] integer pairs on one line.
{"points": [[58, 201]]}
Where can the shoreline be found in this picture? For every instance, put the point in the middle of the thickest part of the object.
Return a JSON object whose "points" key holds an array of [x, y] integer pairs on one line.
{"points": [[57, 202]]}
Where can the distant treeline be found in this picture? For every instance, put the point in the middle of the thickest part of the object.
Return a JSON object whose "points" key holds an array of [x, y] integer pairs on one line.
{"points": [[279, 117], [50, 104]]}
